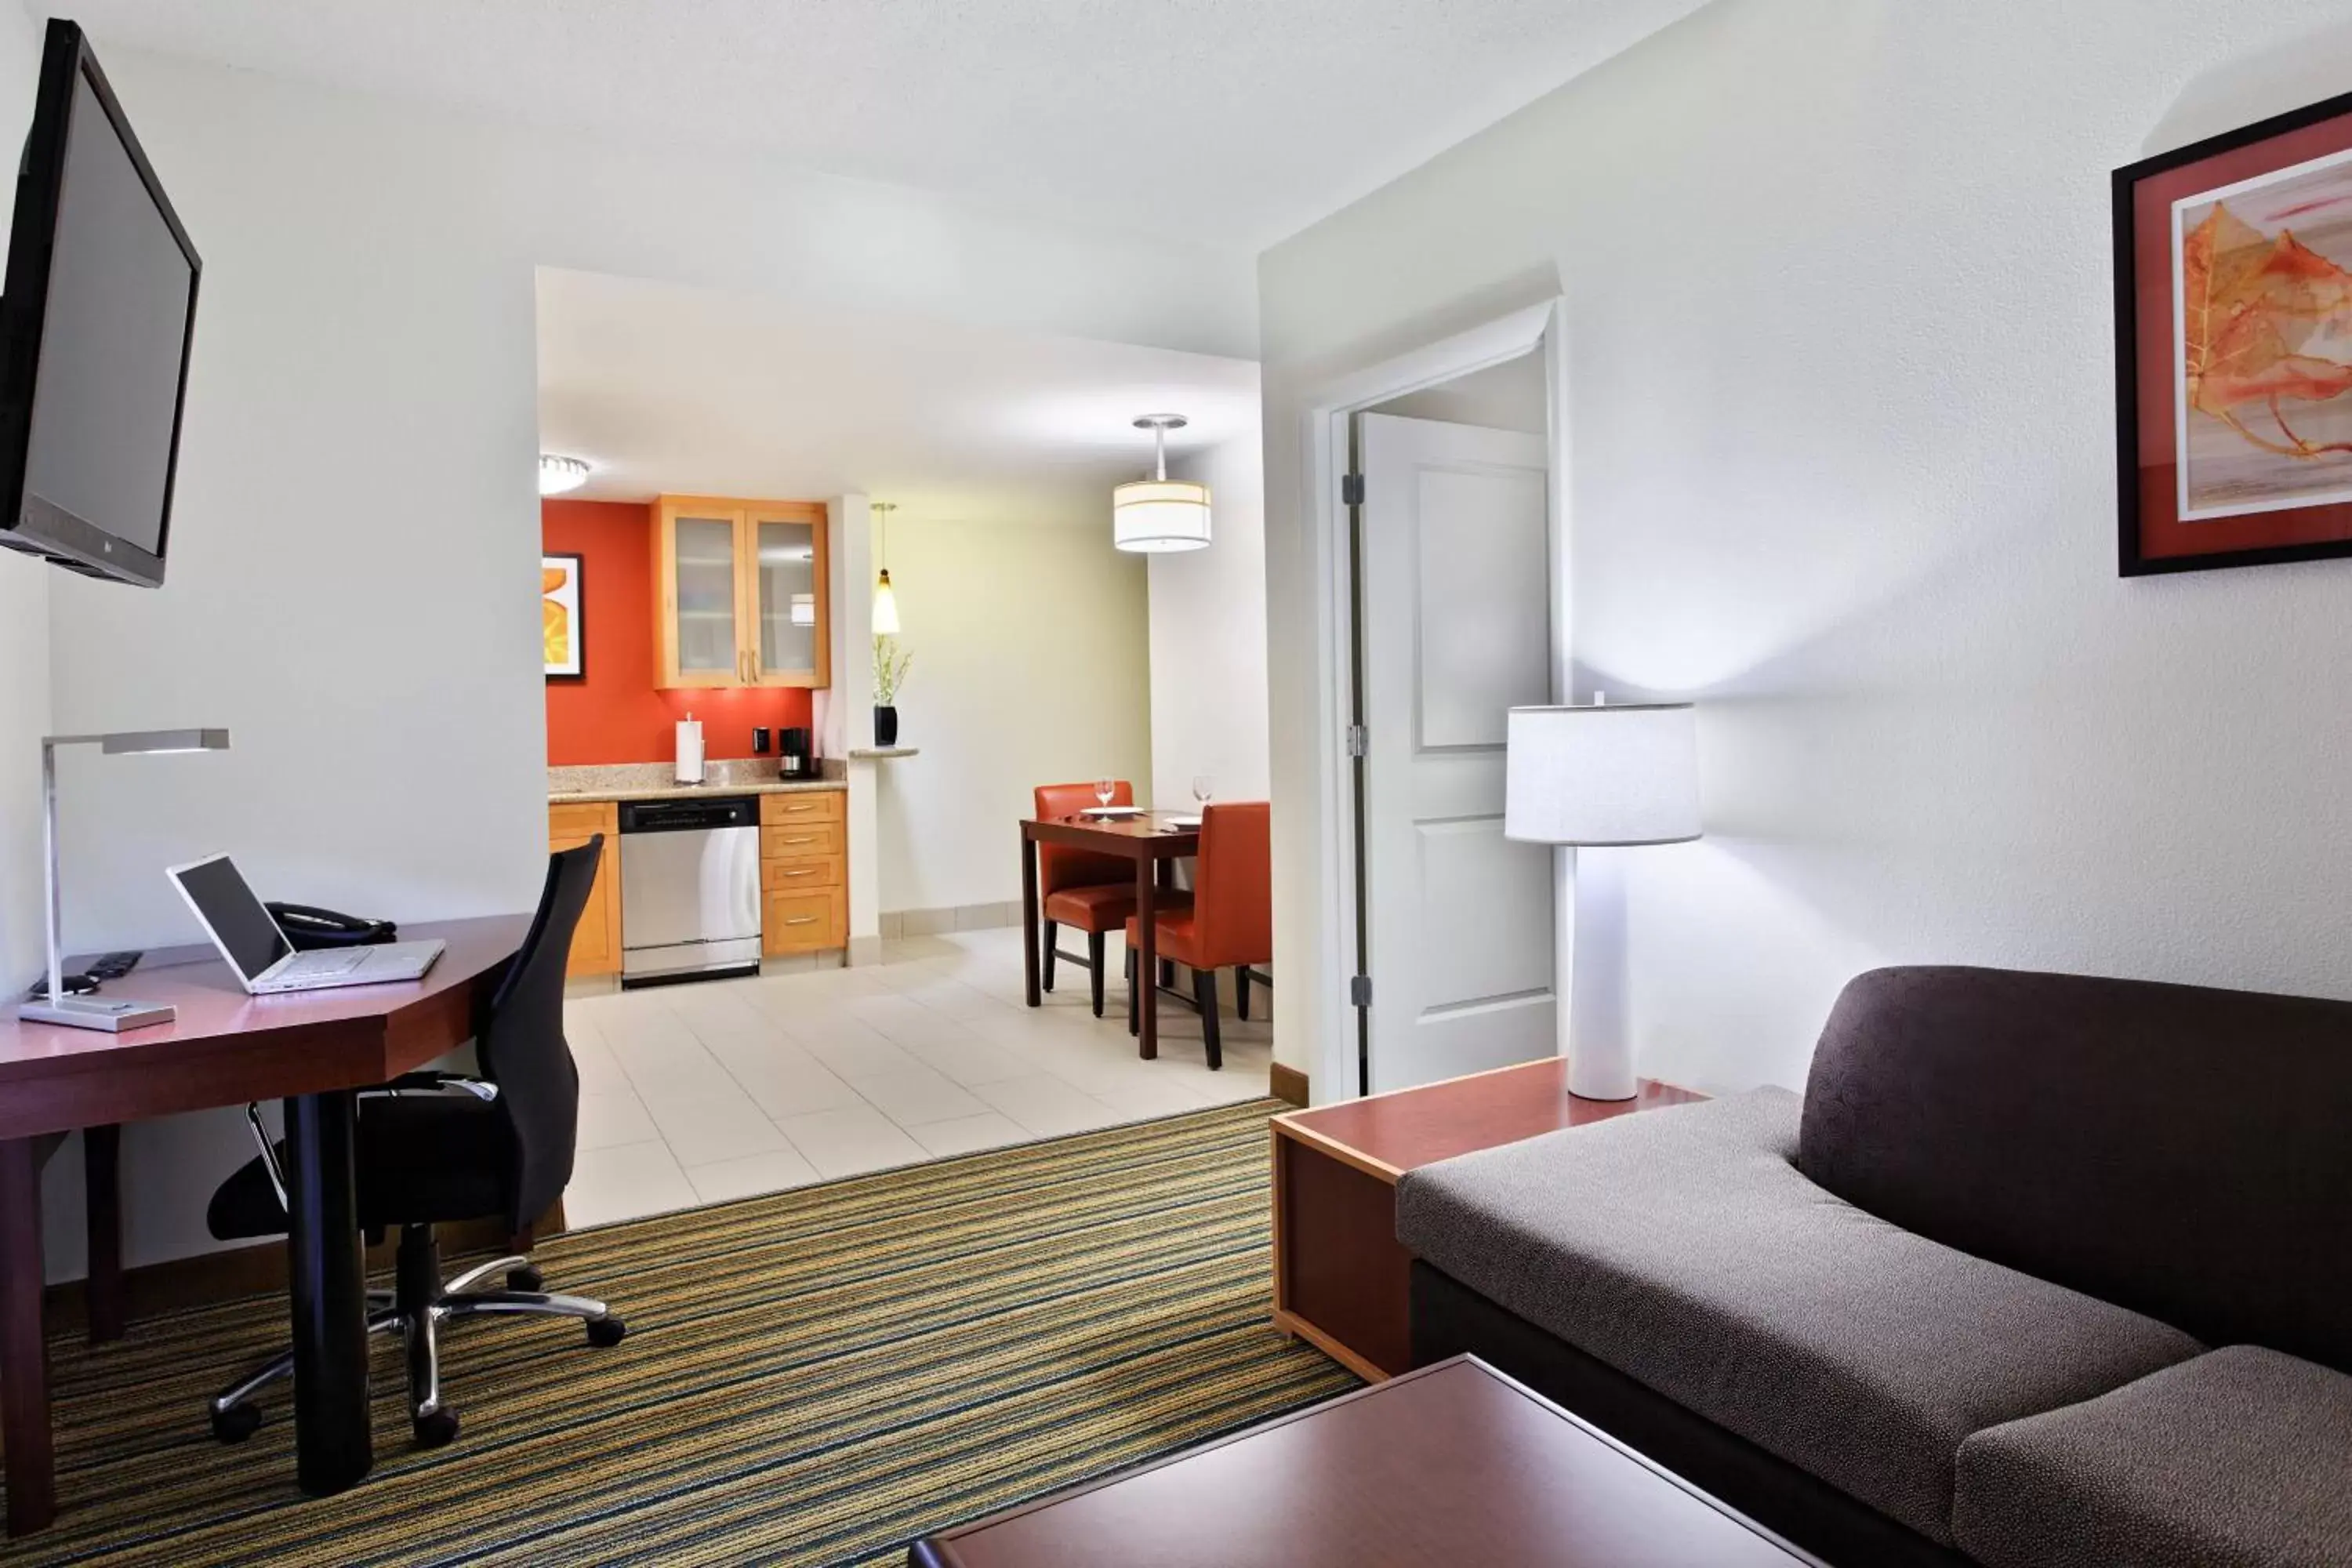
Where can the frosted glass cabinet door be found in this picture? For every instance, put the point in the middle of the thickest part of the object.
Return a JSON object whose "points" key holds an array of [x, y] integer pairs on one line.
{"points": [[787, 573], [740, 592], [702, 594]]}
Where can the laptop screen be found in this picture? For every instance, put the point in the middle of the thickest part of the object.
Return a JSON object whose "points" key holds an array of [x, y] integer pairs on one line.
{"points": [[244, 930]]}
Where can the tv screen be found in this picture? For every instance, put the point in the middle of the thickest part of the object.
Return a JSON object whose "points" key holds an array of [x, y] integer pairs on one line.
{"points": [[100, 303]]}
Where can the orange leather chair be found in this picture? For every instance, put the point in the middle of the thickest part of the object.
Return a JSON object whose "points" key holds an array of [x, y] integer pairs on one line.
{"points": [[1230, 924], [1096, 893]]}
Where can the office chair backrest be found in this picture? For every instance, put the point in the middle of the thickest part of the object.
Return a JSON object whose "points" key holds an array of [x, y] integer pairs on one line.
{"points": [[522, 1043]]}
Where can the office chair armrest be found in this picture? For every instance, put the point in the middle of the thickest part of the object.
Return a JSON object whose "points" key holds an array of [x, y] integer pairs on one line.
{"points": [[432, 1083], [269, 1165]]}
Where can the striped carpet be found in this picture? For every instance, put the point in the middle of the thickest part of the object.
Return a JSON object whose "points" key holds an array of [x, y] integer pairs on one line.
{"points": [[814, 1377]]}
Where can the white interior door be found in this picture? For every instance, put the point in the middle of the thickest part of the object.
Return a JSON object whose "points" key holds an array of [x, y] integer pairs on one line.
{"points": [[1456, 630]]}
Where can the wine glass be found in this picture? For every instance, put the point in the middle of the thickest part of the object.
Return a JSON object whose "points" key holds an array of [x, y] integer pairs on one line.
{"points": [[1201, 790], [1104, 790]]}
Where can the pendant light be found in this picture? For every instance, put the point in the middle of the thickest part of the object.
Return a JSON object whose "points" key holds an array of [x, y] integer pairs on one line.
{"points": [[1159, 513], [886, 603]]}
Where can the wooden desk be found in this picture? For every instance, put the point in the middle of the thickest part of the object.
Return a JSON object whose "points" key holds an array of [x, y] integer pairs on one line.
{"points": [[1339, 1276], [312, 1049], [1153, 846]]}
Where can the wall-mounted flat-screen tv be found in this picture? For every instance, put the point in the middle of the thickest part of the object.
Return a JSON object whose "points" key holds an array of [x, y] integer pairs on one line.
{"points": [[95, 329]]}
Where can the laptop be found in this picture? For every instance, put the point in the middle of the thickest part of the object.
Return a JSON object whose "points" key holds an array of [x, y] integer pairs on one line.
{"points": [[258, 950]]}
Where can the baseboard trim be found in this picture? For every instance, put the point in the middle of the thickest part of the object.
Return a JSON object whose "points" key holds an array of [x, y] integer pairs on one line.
{"points": [[902, 924], [1286, 1083], [210, 1278]]}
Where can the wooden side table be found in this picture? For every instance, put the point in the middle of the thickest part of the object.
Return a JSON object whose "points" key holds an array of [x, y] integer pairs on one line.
{"points": [[1339, 1276]]}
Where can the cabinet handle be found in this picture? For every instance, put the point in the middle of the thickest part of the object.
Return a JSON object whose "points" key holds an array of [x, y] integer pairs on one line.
{"points": [[804, 838], [806, 873], [802, 921]]}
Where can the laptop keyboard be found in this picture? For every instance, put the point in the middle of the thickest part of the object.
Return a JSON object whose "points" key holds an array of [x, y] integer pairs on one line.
{"points": [[315, 965]]}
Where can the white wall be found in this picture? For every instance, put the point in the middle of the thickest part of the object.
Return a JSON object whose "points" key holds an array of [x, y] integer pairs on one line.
{"points": [[1208, 639], [1840, 360], [1030, 666], [356, 526]]}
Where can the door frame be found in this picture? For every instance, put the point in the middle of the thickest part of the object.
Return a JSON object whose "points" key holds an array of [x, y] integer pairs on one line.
{"points": [[1339, 1071]]}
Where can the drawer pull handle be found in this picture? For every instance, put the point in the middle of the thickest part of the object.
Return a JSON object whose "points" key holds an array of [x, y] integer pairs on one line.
{"points": [[802, 921], [811, 872], [804, 839]]}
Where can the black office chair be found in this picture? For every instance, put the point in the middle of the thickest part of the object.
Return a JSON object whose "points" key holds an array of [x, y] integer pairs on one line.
{"points": [[433, 1148]]}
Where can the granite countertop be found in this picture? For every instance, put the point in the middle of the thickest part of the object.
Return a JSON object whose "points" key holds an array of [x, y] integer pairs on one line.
{"points": [[654, 780], [679, 791]]}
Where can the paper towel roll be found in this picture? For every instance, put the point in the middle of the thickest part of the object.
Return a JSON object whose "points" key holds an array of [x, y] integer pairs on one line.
{"points": [[689, 751]]}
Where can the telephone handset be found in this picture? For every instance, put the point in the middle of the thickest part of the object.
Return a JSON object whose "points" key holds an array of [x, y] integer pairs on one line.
{"points": [[308, 927]]}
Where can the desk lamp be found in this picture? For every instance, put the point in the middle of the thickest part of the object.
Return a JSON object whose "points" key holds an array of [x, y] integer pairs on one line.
{"points": [[1600, 777], [97, 1012]]}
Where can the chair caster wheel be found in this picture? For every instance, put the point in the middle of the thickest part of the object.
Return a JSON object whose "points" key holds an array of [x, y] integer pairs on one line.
{"points": [[437, 1430], [526, 1278], [606, 1330], [236, 1423]]}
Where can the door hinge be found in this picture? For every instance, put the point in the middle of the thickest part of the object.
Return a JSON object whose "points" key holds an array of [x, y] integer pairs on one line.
{"points": [[1351, 489], [1359, 742], [1359, 991]]}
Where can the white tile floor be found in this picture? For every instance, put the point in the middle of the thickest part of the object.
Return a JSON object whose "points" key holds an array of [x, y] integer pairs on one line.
{"points": [[693, 1094]]}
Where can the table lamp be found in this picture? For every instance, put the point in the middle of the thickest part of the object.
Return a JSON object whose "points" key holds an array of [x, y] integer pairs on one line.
{"points": [[1609, 778], [97, 1012]]}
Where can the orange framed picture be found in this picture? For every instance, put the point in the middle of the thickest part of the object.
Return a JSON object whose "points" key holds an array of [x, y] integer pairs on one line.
{"points": [[562, 626], [2233, 344]]}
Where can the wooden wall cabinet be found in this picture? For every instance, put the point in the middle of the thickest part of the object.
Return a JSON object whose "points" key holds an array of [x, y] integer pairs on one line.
{"points": [[740, 593], [596, 944], [803, 871]]}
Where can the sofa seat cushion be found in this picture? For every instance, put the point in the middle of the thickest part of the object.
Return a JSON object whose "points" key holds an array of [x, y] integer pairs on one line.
{"points": [[2242, 1458], [1683, 1248]]}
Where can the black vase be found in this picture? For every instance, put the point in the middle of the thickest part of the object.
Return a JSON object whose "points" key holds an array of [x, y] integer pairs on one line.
{"points": [[886, 725]]}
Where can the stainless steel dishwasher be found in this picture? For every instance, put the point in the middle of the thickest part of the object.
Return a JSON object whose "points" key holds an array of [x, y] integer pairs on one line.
{"points": [[689, 889]]}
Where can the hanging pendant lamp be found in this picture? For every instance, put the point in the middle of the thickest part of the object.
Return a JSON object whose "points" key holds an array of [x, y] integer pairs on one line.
{"points": [[1159, 514], [886, 601]]}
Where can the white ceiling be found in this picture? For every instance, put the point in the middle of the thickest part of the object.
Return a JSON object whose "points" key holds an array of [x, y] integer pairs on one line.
{"points": [[1233, 121], [665, 387]]}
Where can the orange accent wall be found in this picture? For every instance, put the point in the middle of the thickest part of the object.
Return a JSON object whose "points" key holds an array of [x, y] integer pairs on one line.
{"points": [[616, 714]]}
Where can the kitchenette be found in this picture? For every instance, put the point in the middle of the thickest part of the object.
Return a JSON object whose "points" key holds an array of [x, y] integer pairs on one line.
{"points": [[685, 641]]}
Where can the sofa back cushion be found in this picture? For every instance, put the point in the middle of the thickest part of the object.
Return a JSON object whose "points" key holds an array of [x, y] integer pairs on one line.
{"points": [[2182, 1151]]}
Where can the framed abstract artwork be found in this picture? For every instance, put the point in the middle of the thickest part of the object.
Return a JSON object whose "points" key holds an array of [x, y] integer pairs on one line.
{"points": [[561, 624], [2233, 347]]}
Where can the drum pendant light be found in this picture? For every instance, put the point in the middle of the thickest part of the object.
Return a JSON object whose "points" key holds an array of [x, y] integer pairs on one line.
{"points": [[1159, 513]]}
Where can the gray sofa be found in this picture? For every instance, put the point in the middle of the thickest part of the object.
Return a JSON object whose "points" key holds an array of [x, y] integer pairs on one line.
{"points": [[2042, 1269]]}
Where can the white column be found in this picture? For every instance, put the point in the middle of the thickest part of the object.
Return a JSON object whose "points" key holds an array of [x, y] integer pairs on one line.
{"points": [[849, 718]]}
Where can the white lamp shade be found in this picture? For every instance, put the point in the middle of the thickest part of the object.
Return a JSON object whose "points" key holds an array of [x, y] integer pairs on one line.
{"points": [[885, 608], [1152, 515], [1616, 774]]}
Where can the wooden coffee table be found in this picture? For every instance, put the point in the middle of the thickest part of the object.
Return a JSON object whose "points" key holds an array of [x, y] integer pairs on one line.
{"points": [[1340, 1276], [1454, 1464]]}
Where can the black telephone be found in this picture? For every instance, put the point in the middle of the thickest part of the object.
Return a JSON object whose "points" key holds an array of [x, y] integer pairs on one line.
{"points": [[309, 928]]}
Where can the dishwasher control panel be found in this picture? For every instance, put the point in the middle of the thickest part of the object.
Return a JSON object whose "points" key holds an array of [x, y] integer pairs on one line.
{"points": [[689, 816]]}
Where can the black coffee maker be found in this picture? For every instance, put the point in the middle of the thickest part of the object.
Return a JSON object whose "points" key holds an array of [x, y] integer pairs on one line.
{"points": [[794, 762]]}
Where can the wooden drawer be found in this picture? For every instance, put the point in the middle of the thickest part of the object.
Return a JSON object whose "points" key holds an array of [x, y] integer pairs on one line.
{"points": [[805, 805], [801, 874], [803, 922], [580, 818], [802, 840]]}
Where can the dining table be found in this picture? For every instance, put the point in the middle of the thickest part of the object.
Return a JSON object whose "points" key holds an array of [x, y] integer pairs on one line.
{"points": [[1154, 841]]}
